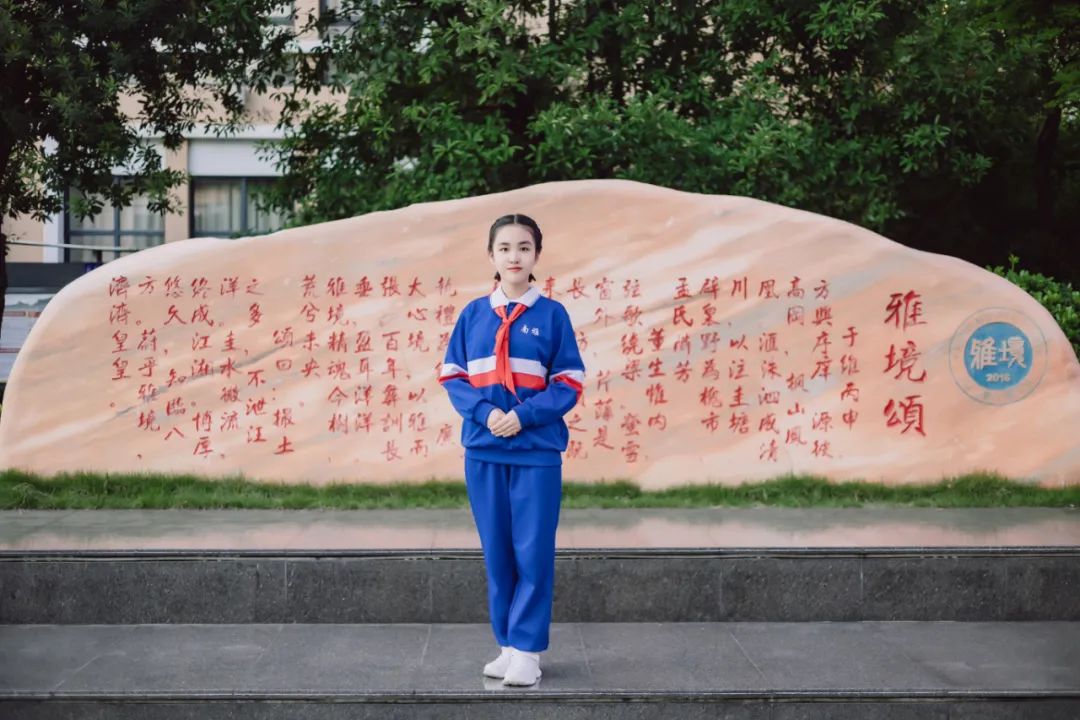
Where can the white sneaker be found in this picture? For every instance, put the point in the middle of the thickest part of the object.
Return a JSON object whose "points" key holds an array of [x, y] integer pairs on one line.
{"points": [[524, 668], [497, 667]]}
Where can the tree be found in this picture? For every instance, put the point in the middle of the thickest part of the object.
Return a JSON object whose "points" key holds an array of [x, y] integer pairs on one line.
{"points": [[66, 64], [1049, 31], [915, 118]]}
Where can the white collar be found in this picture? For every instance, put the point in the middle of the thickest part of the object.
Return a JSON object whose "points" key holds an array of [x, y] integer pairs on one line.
{"points": [[498, 297]]}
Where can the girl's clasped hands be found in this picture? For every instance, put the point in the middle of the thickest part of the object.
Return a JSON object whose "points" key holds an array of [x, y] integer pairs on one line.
{"points": [[503, 424]]}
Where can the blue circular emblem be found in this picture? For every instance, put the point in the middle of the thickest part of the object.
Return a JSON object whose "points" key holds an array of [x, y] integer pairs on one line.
{"points": [[997, 356]]}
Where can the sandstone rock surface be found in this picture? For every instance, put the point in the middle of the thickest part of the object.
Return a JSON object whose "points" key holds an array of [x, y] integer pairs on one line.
{"points": [[725, 339]]}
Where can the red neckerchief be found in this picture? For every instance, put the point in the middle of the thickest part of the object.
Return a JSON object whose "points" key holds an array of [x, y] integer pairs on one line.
{"points": [[502, 346]]}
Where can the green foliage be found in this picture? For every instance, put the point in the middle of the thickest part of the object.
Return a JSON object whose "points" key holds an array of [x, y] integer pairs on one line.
{"points": [[948, 125], [1052, 28], [1057, 297], [914, 118]]}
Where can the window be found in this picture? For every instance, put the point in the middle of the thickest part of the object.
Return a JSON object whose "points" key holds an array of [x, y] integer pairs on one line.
{"points": [[231, 207], [283, 13], [329, 6], [131, 227], [343, 16]]}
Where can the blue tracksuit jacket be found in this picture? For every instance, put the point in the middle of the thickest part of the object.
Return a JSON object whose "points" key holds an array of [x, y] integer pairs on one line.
{"points": [[547, 371]]}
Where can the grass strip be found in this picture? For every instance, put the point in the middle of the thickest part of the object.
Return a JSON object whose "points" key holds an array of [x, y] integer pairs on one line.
{"points": [[94, 490]]}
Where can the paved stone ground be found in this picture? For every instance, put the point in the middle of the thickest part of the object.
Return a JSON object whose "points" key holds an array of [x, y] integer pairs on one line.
{"points": [[578, 528], [824, 659]]}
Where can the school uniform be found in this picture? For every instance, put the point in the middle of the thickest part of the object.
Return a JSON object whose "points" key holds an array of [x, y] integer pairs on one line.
{"points": [[518, 355]]}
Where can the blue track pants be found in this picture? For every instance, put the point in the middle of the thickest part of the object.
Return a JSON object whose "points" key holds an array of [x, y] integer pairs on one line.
{"points": [[516, 508]]}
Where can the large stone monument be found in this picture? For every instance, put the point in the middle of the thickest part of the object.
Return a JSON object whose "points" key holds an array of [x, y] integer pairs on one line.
{"points": [[725, 340]]}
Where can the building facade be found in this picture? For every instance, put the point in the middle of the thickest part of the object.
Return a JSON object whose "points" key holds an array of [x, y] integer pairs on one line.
{"points": [[221, 199]]}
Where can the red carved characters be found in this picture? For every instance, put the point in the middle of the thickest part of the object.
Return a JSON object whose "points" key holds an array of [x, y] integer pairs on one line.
{"points": [[681, 360]]}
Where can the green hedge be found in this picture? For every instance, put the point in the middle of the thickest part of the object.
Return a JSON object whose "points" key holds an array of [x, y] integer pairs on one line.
{"points": [[1057, 297]]}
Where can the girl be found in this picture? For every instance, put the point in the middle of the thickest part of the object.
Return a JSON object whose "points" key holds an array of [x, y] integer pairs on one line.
{"points": [[512, 370]]}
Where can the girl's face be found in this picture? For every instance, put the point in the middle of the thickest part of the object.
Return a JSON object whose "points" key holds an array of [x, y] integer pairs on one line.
{"points": [[514, 253]]}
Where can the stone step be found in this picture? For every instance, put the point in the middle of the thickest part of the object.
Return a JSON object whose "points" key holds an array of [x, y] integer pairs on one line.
{"points": [[888, 669], [644, 585]]}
